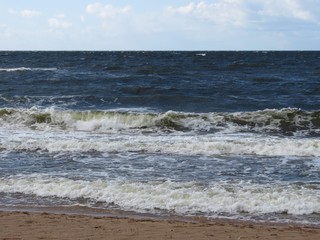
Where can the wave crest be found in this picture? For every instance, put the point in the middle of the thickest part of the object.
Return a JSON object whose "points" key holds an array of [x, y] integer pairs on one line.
{"points": [[182, 198], [20, 69], [284, 121]]}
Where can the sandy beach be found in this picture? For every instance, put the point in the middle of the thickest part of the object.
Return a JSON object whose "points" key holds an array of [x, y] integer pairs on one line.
{"points": [[27, 225]]}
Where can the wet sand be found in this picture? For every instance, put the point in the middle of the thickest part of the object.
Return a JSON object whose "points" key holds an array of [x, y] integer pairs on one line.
{"points": [[28, 225]]}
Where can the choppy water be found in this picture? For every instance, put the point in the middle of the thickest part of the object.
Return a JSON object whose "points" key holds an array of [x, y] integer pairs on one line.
{"points": [[214, 134]]}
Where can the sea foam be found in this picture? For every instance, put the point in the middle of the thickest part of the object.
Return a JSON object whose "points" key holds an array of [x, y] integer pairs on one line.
{"points": [[17, 69], [182, 198]]}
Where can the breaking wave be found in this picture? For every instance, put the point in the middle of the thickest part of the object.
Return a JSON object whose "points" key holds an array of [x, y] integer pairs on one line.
{"points": [[181, 198], [169, 144], [284, 121], [245, 133]]}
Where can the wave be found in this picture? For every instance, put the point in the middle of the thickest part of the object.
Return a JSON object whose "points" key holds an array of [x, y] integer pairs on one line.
{"points": [[182, 198], [262, 133], [237, 65], [161, 144], [19, 69], [286, 121], [201, 54]]}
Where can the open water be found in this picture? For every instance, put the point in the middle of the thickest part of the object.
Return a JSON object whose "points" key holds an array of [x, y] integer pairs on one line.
{"points": [[211, 134]]}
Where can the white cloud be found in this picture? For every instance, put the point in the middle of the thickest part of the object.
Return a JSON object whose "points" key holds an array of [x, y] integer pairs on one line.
{"points": [[29, 13], [107, 10], [223, 12], [246, 13], [287, 9], [114, 21], [59, 22]]}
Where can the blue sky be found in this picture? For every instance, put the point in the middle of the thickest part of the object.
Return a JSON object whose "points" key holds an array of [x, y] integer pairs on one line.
{"points": [[160, 25]]}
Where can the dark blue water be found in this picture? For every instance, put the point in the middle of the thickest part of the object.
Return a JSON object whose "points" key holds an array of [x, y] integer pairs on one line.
{"points": [[179, 81], [211, 134]]}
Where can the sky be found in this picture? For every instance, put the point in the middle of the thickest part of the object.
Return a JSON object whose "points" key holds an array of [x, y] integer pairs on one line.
{"points": [[160, 25]]}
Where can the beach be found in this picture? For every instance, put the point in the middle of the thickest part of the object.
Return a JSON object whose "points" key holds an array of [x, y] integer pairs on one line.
{"points": [[30, 225]]}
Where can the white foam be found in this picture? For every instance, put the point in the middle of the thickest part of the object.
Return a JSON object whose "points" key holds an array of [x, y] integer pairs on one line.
{"points": [[123, 132], [14, 69], [115, 122], [259, 122], [26, 69], [201, 54], [182, 198], [54, 141]]}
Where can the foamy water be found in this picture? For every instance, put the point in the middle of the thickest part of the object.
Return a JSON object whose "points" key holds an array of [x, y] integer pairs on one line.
{"points": [[138, 161], [228, 135]]}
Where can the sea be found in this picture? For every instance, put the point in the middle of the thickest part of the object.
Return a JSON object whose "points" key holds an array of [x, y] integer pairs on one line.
{"points": [[188, 134]]}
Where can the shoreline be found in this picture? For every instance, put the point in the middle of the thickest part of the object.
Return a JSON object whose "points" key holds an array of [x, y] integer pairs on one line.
{"points": [[123, 214], [49, 225]]}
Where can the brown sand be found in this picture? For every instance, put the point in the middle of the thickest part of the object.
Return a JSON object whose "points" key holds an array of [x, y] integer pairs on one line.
{"points": [[24, 225]]}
